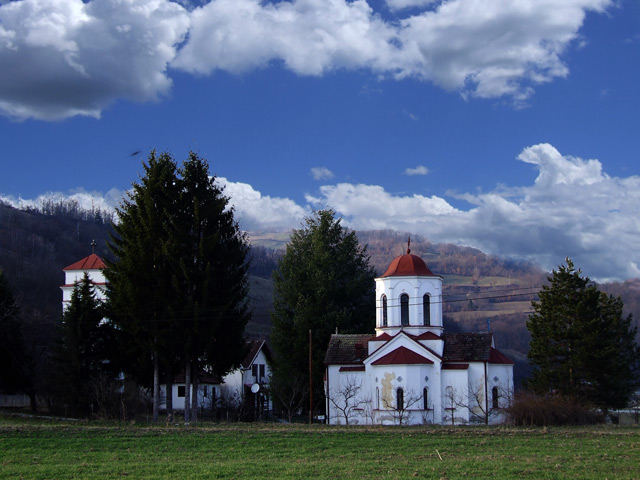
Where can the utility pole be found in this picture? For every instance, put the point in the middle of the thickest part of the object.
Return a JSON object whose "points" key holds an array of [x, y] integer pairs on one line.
{"points": [[310, 379]]}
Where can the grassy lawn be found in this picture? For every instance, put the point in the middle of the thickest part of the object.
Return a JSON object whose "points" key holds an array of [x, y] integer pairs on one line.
{"points": [[59, 450]]}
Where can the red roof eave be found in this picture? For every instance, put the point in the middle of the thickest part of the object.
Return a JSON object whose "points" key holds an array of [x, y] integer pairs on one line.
{"points": [[499, 358], [402, 356]]}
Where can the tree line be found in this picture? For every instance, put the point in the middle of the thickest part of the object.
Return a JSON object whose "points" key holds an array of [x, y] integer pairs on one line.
{"points": [[177, 303]]}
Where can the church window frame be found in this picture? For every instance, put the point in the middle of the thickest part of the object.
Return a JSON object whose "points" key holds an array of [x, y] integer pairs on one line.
{"points": [[404, 310], [385, 318], [425, 398], [400, 399], [426, 310], [495, 398]]}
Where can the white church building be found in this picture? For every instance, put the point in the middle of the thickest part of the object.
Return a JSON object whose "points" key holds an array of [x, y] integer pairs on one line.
{"points": [[410, 371]]}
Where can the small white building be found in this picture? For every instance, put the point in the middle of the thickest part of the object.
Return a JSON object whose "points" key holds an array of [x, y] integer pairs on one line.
{"points": [[410, 371], [92, 265], [245, 386], [208, 392], [249, 384]]}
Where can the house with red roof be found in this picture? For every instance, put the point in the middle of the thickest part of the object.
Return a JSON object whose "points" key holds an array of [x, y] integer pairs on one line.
{"points": [[410, 371]]}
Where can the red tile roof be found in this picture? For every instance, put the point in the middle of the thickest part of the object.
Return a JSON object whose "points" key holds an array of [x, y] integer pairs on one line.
{"points": [[495, 356], [385, 337], [407, 265], [426, 336], [402, 356], [92, 262]]}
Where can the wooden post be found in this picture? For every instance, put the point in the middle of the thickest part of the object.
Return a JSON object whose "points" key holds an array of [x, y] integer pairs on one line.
{"points": [[310, 379]]}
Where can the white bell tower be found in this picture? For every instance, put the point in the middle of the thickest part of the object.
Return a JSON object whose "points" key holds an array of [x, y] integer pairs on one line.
{"points": [[408, 298]]}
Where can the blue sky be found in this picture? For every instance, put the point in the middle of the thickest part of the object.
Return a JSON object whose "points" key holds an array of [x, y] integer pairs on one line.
{"points": [[509, 125]]}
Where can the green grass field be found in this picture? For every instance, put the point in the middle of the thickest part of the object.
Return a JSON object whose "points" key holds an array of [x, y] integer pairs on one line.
{"points": [[44, 449]]}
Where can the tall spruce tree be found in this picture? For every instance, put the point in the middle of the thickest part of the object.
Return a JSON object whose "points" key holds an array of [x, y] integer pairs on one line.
{"points": [[324, 282], [211, 274], [140, 280], [581, 343]]}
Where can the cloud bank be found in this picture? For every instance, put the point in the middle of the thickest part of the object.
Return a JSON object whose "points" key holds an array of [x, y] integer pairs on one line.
{"points": [[573, 208], [62, 58]]}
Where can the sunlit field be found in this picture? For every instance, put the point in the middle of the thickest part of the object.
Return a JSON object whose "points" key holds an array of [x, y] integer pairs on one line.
{"points": [[49, 449]]}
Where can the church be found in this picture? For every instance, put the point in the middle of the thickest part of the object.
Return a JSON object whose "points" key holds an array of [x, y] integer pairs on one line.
{"points": [[410, 371]]}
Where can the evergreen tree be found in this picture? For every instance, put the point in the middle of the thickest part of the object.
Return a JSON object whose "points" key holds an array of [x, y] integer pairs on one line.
{"points": [[178, 287], [83, 352], [12, 345], [581, 344], [140, 281], [324, 282], [212, 276]]}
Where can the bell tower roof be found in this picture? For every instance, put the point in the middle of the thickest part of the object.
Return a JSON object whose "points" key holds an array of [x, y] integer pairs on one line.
{"points": [[408, 265]]}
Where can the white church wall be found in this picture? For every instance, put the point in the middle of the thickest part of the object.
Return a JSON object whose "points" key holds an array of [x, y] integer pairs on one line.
{"points": [[455, 392]]}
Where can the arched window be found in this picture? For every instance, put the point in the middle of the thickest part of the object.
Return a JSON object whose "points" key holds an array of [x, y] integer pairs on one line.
{"points": [[495, 398], [378, 398], [384, 310], [426, 310], [400, 399], [404, 309], [425, 398]]}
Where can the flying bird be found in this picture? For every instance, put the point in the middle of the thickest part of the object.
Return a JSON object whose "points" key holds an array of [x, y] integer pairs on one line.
{"points": [[135, 153]]}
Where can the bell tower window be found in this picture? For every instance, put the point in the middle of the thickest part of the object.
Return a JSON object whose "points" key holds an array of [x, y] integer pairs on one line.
{"points": [[404, 309], [384, 310], [426, 310]]}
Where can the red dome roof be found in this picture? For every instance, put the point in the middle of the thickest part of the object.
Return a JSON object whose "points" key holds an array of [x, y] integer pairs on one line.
{"points": [[408, 265]]}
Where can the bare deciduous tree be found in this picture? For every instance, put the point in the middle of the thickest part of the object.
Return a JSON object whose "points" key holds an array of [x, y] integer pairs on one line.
{"points": [[347, 399], [289, 391]]}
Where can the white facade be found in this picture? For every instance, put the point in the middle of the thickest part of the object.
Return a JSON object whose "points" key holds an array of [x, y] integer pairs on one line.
{"points": [[208, 395], [410, 371]]}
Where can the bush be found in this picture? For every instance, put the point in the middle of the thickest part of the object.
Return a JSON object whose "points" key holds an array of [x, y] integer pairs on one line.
{"points": [[532, 409]]}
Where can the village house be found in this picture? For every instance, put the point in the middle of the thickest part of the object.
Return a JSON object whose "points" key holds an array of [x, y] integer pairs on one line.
{"points": [[410, 371]]}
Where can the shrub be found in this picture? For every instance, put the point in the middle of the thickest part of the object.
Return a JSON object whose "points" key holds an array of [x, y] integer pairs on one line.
{"points": [[543, 410]]}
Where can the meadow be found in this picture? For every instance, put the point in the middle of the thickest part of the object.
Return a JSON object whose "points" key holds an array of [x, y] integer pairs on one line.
{"points": [[48, 449]]}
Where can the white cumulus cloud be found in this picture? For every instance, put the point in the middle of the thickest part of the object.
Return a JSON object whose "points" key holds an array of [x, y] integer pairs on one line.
{"points": [[321, 173], [62, 58], [419, 170], [572, 209]]}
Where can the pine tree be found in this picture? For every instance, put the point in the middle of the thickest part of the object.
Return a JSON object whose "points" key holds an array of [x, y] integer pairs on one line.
{"points": [[141, 296], [581, 344], [324, 282], [212, 276]]}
